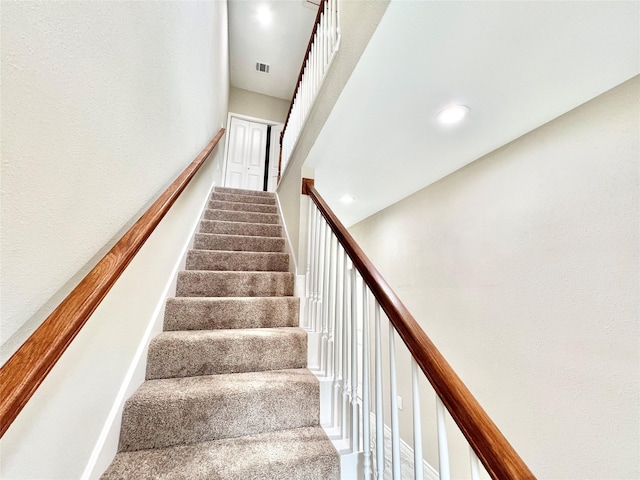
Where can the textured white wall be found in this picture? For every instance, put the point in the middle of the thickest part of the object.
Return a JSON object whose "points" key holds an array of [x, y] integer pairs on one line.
{"points": [[523, 269], [103, 105], [258, 105]]}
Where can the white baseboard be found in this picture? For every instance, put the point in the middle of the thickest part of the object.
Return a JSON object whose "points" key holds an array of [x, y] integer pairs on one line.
{"points": [[406, 455], [352, 464], [107, 443]]}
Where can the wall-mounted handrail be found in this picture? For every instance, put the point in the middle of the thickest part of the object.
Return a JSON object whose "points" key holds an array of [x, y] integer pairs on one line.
{"points": [[321, 50], [492, 448], [23, 373]]}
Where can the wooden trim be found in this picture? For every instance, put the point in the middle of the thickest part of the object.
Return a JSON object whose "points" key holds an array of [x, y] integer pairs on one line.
{"points": [[492, 448], [306, 183], [280, 161], [304, 61], [28, 367]]}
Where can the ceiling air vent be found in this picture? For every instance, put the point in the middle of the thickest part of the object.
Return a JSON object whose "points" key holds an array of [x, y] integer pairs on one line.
{"points": [[262, 67]]}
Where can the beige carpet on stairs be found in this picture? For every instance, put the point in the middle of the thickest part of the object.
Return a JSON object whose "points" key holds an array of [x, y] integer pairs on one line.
{"points": [[227, 394]]}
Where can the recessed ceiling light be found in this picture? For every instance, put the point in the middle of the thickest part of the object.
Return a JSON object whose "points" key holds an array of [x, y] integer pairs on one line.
{"points": [[347, 199], [452, 114], [265, 15]]}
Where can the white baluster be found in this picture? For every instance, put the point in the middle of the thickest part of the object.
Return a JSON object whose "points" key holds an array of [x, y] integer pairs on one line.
{"points": [[312, 295], [320, 48], [325, 39], [331, 300], [305, 81], [475, 464], [418, 467], [354, 363], [314, 71], [325, 298], [321, 259], [332, 14], [395, 426], [316, 272], [308, 272], [379, 404], [330, 29], [337, 378], [443, 445], [337, 23], [366, 403], [314, 63], [346, 385]]}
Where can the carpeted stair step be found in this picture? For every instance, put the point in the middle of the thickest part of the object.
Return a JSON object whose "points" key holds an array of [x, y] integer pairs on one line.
{"points": [[240, 191], [214, 352], [237, 216], [298, 454], [202, 283], [240, 228], [201, 313], [237, 261], [178, 411], [232, 197], [236, 243], [243, 207]]}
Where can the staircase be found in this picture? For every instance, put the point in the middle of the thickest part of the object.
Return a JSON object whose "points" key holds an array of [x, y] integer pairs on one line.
{"points": [[227, 395]]}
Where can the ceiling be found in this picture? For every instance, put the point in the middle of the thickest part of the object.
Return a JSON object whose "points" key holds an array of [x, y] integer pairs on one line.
{"points": [[517, 65], [281, 43]]}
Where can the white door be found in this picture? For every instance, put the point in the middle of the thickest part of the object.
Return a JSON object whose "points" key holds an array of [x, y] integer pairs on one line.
{"points": [[274, 157], [246, 156]]}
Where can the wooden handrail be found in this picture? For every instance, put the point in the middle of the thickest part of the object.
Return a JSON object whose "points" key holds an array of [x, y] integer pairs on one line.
{"points": [[304, 61], [28, 367], [492, 448]]}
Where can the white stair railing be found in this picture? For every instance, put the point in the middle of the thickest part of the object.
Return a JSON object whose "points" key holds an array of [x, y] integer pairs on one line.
{"points": [[342, 309], [323, 45]]}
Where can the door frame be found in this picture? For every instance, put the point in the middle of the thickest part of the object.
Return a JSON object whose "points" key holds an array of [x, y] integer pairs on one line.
{"points": [[247, 118]]}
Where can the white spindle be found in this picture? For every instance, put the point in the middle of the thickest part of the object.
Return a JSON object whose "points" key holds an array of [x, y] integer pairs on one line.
{"points": [[417, 422], [331, 300], [325, 297], [330, 26], [333, 23], [337, 378], [312, 295], [325, 38], [443, 445], [379, 404], [304, 87], [308, 272], [321, 46], [475, 464], [395, 426], [314, 71], [346, 388], [322, 321], [354, 362], [316, 270], [366, 404]]}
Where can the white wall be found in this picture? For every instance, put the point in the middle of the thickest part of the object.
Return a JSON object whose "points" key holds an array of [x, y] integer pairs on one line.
{"points": [[257, 105], [103, 105], [132, 93], [523, 269]]}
